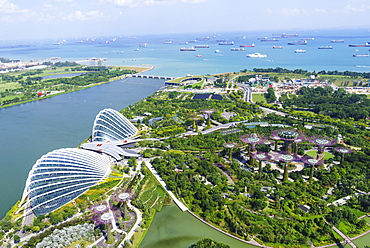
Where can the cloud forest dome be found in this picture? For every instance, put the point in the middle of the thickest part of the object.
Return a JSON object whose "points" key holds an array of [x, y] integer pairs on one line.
{"points": [[110, 125], [62, 175]]}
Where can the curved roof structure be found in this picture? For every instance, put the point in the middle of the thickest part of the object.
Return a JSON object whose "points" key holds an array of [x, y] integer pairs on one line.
{"points": [[110, 125], [62, 175]]}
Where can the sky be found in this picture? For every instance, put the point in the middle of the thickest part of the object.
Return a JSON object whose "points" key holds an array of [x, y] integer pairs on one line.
{"points": [[30, 19]]}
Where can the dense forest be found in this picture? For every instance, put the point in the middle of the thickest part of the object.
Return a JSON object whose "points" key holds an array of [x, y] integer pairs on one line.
{"points": [[334, 103], [229, 195]]}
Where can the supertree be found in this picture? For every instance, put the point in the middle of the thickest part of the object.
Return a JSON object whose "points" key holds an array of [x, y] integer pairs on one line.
{"points": [[99, 209], [122, 198], [260, 156], [253, 139], [288, 136], [313, 162], [286, 158], [343, 150], [230, 146], [195, 119], [208, 113], [321, 142], [105, 219]]}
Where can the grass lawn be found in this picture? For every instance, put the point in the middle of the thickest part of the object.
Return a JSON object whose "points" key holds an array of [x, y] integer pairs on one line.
{"points": [[313, 154], [260, 97], [86, 243], [367, 220], [4, 86]]}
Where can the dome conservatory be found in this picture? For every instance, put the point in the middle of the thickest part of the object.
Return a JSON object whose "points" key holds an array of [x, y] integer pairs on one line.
{"points": [[110, 125], [60, 176]]}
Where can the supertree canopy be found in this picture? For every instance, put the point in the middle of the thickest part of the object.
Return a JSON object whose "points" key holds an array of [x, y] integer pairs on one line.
{"points": [[195, 119], [286, 158], [103, 219], [253, 139], [322, 142], [343, 150], [101, 208], [230, 146], [288, 136], [208, 113], [260, 156], [313, 162]]}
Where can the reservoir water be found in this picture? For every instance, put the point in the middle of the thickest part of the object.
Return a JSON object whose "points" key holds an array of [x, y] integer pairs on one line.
{"points": [[173, 228], [30, 130]]}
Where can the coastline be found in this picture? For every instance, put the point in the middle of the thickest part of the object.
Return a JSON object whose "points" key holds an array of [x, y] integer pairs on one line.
{"points": [[138, 69], [148, 70]]}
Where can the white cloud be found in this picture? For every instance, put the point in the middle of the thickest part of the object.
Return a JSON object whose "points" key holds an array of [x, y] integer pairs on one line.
{"points": [[80, 16], [7, 7], [362, 8], [138, 3], [317, 10], [292, 12], [48, 7], [64, 1], [193, 1]]}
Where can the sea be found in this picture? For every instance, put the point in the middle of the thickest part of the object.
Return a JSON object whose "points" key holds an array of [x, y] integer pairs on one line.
{"points": [[30, 130], [163, 51]]}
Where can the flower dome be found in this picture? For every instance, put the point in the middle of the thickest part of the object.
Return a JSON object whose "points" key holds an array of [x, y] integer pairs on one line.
{"points": [[110, 125], [62, 175]]}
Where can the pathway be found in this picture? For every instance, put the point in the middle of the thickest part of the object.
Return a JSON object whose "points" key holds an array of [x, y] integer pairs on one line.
{"points": [[174, 198]]}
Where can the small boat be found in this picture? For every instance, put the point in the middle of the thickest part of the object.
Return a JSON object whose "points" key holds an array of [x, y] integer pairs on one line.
{"points": [[277, 47], [167, 42], [237, 49], [188, 49], [256, 55], [143, 45], [198, 55], [226, 43], [201, 46], [300, 51], [337, 41], [217, 51], [367, 44], [252, 45], [299, 42], [325, 47], [269, 40], [360, 55], [136, 49]]}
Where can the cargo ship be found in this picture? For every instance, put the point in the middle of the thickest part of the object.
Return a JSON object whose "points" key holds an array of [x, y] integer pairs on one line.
{"points": [[187, 49], [289, 35], [325, 47], [367, 44], [256, 55], [201, 46], [277, 47], [269, 40], [252, 45], [360, 55], [299, 42], [226, 43]]}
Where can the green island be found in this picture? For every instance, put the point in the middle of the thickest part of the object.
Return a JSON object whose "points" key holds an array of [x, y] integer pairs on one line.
{"points": [[289, 170]]}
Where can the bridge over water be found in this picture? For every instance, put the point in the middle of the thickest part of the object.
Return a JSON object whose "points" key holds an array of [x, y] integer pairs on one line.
{"points": [[150, 76]]}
